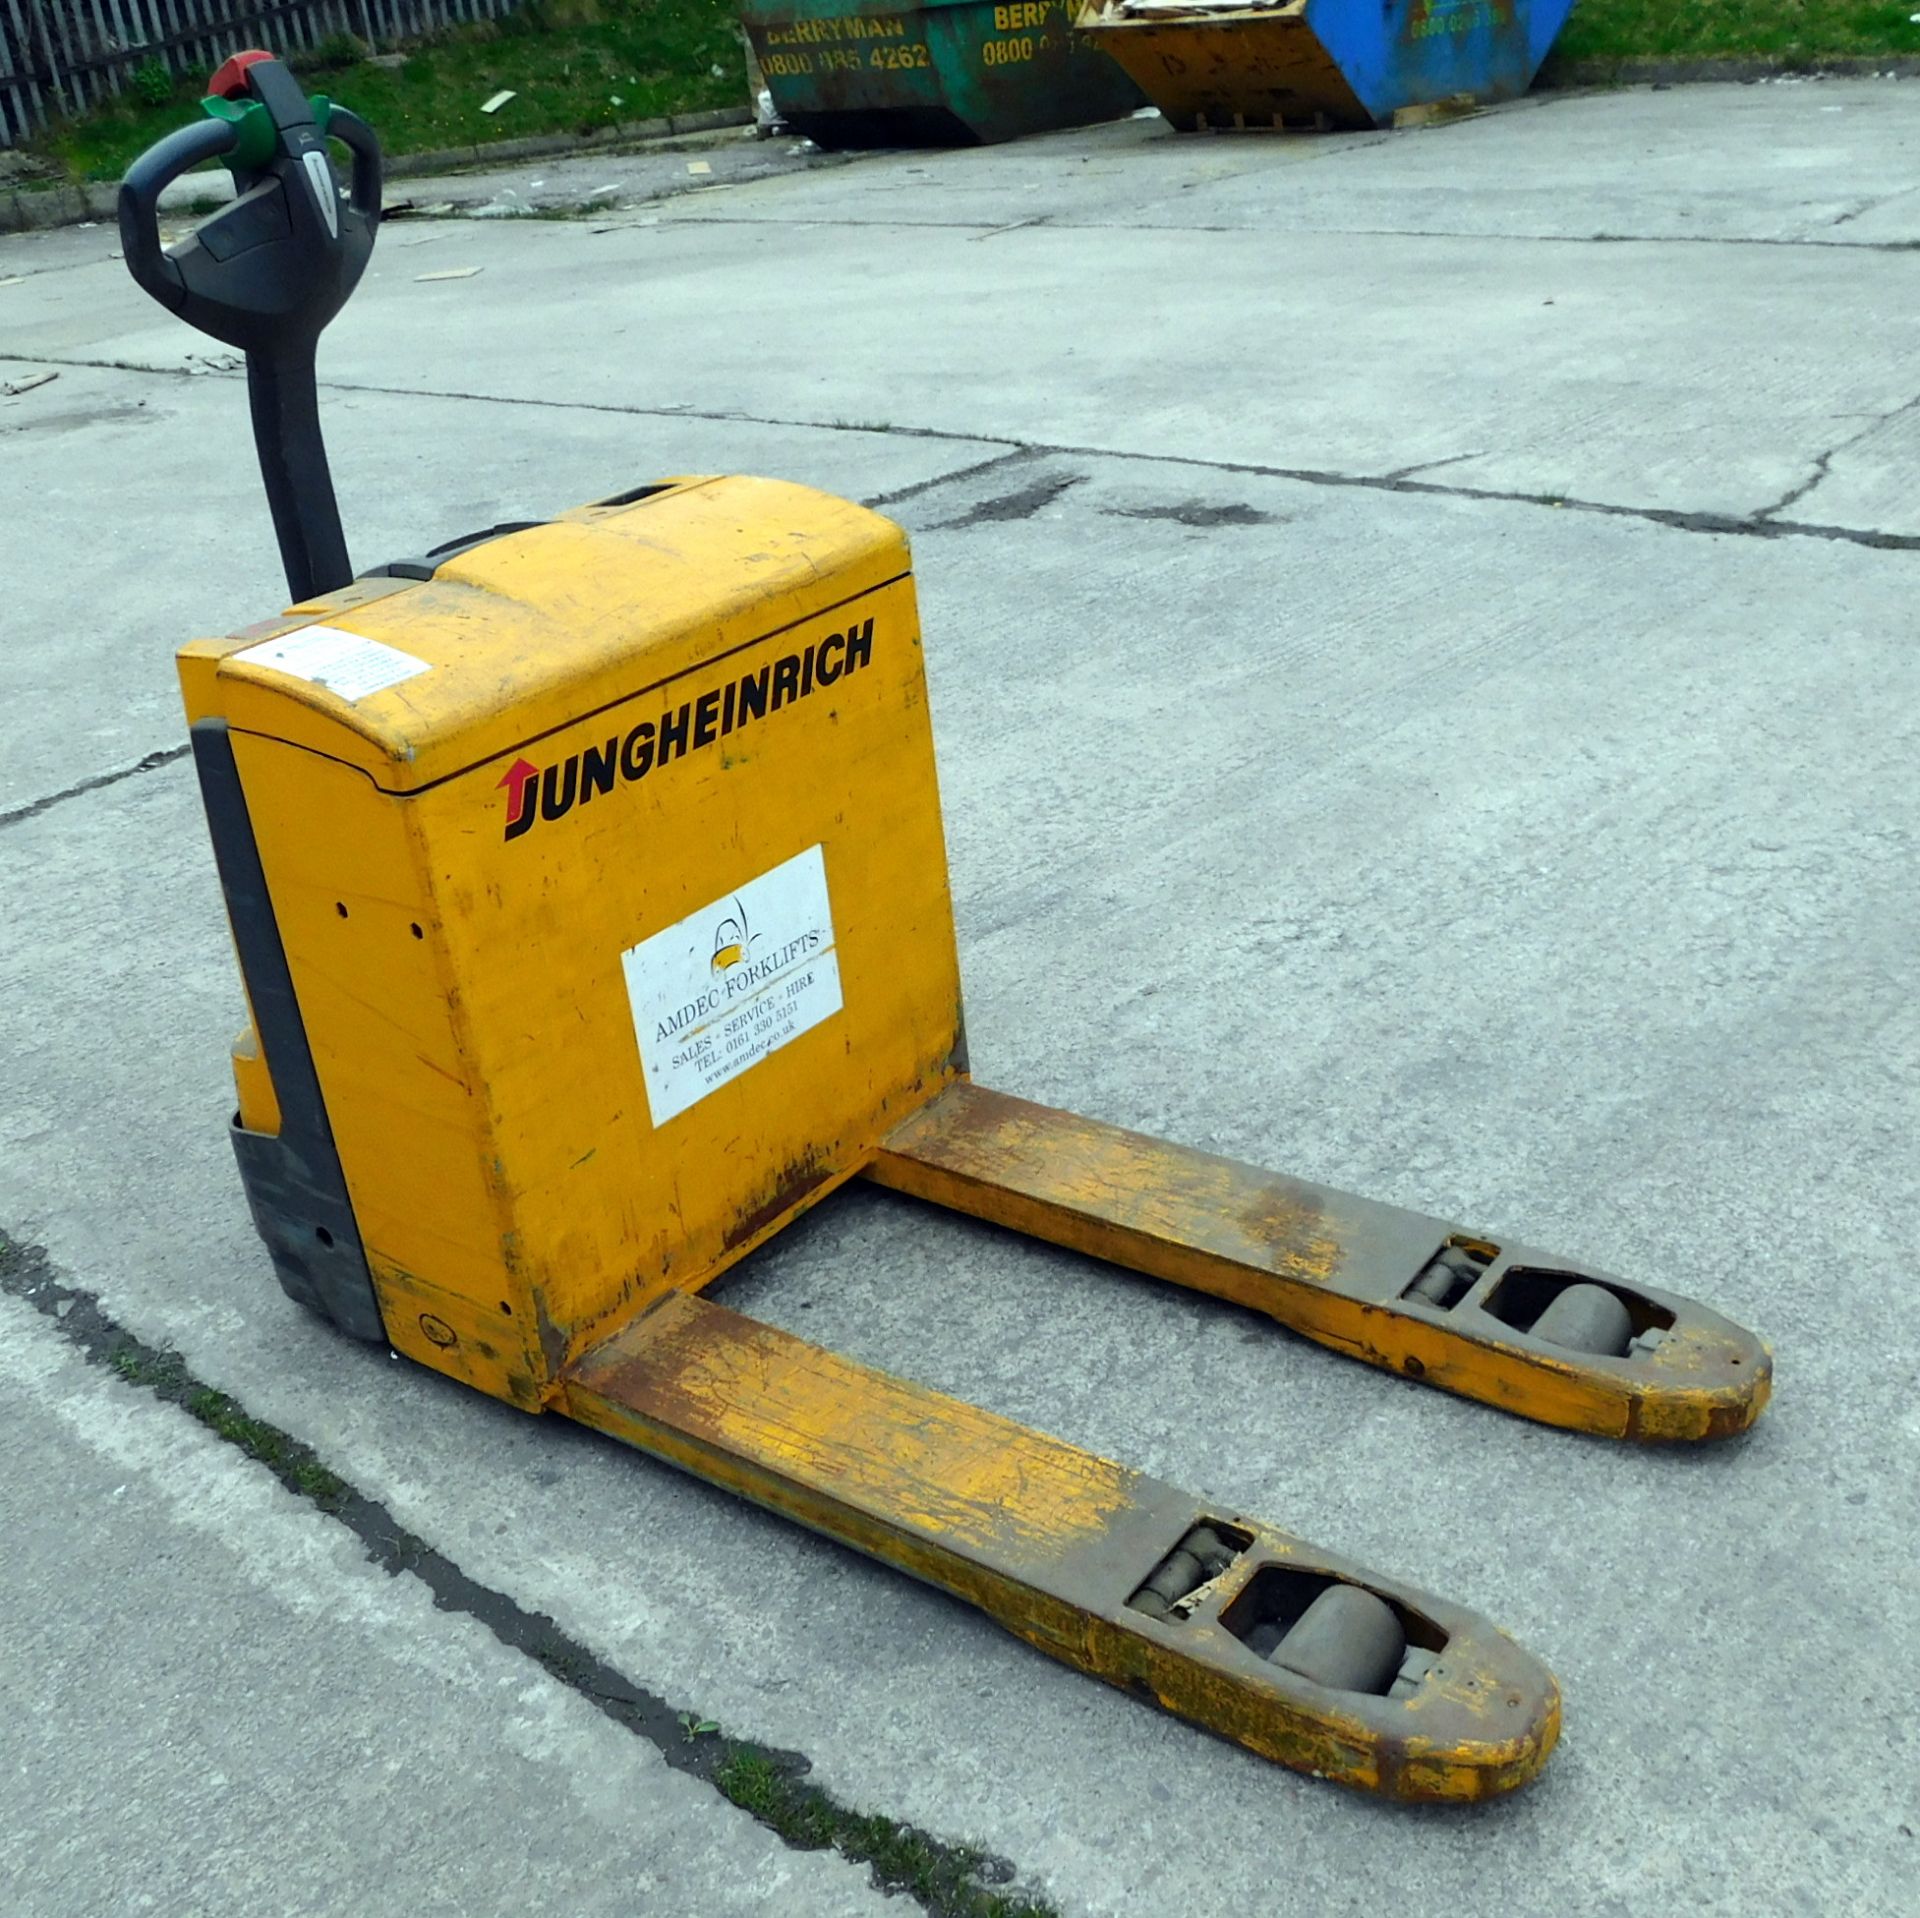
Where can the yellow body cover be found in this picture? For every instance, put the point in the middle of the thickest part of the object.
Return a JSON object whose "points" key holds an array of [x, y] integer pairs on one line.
{"points": [[609, 868]]}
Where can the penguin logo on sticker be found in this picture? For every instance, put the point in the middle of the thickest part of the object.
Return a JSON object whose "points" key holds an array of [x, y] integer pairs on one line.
{"points": [[731, 940]]}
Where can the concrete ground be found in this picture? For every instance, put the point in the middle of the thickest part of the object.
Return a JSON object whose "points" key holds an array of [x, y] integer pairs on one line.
{"points": [[1420, 638]]}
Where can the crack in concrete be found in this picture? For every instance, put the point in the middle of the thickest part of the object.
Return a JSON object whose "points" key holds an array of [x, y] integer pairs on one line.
{"points": [[1673, 518], [975, 230], [1676, 519], [1794, 494], [1012, 226], [1823, 464], [77, 1316], [1013, 456], [1432, 466], [35, 807], [39, 270], [1870, 206], [1702, 239]]}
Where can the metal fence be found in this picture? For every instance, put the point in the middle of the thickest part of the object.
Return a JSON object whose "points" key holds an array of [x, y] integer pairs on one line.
{"points": [[64, 56]]}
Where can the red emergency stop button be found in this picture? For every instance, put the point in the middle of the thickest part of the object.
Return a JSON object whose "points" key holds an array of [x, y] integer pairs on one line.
{"points": [[229, 80]]}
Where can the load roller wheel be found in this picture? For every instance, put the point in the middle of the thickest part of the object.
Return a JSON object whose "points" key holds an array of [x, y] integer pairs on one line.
{"points": [[1586, 1318], [1347, 1640], [1201, 1555], [1450, 1276]]}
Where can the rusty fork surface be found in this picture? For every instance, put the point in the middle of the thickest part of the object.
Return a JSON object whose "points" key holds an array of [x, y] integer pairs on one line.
{"points": [[1413, 1294], [1077, 1555]]}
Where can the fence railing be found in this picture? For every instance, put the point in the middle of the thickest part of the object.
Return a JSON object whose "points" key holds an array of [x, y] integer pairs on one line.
{"points": [[64, 56]]}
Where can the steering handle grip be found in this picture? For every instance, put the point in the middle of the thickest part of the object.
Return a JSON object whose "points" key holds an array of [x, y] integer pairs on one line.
{"points": [[353, 133], [139, 207], [266, 274]]}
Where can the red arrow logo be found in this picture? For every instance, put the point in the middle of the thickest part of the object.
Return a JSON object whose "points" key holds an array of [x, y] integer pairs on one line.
{"points": [[521, 780]]}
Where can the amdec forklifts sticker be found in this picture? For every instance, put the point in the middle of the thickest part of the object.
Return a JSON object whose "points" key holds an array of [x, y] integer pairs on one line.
{"points": [[733, 982]]}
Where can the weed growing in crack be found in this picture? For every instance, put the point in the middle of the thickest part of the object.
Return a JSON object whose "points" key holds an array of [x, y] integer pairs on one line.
{"points": [[944, 1879]]}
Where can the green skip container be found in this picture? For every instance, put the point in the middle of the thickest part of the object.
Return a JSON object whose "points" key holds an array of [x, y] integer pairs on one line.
{"points": [[851, 73]]}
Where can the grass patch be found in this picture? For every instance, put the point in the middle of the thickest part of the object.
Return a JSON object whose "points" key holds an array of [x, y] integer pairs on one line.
{"points": [[943, 1879], [165, 1372], [295, 1464], [575, 66], [1787, 31], [165, 1375]]}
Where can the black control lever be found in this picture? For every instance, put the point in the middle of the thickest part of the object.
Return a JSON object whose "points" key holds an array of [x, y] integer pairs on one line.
{"points": [[266, 274]]}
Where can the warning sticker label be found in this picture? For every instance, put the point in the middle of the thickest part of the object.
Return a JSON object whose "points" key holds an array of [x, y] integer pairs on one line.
{"points": [[348, 666], [733, 982]]}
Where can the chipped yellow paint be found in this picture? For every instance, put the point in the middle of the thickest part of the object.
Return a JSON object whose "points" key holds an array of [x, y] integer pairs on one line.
{"points": [[259, 1105], [1324, 1263], [1049, 1541], [1463, 1770], [489, 1349], [526, 633], [464, 994], [1693, 1363], [403, 1101], [1121, 1195], [931, 1463]]}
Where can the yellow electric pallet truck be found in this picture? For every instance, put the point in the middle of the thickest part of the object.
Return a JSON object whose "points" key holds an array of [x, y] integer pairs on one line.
{"points": [[588, 883]]}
